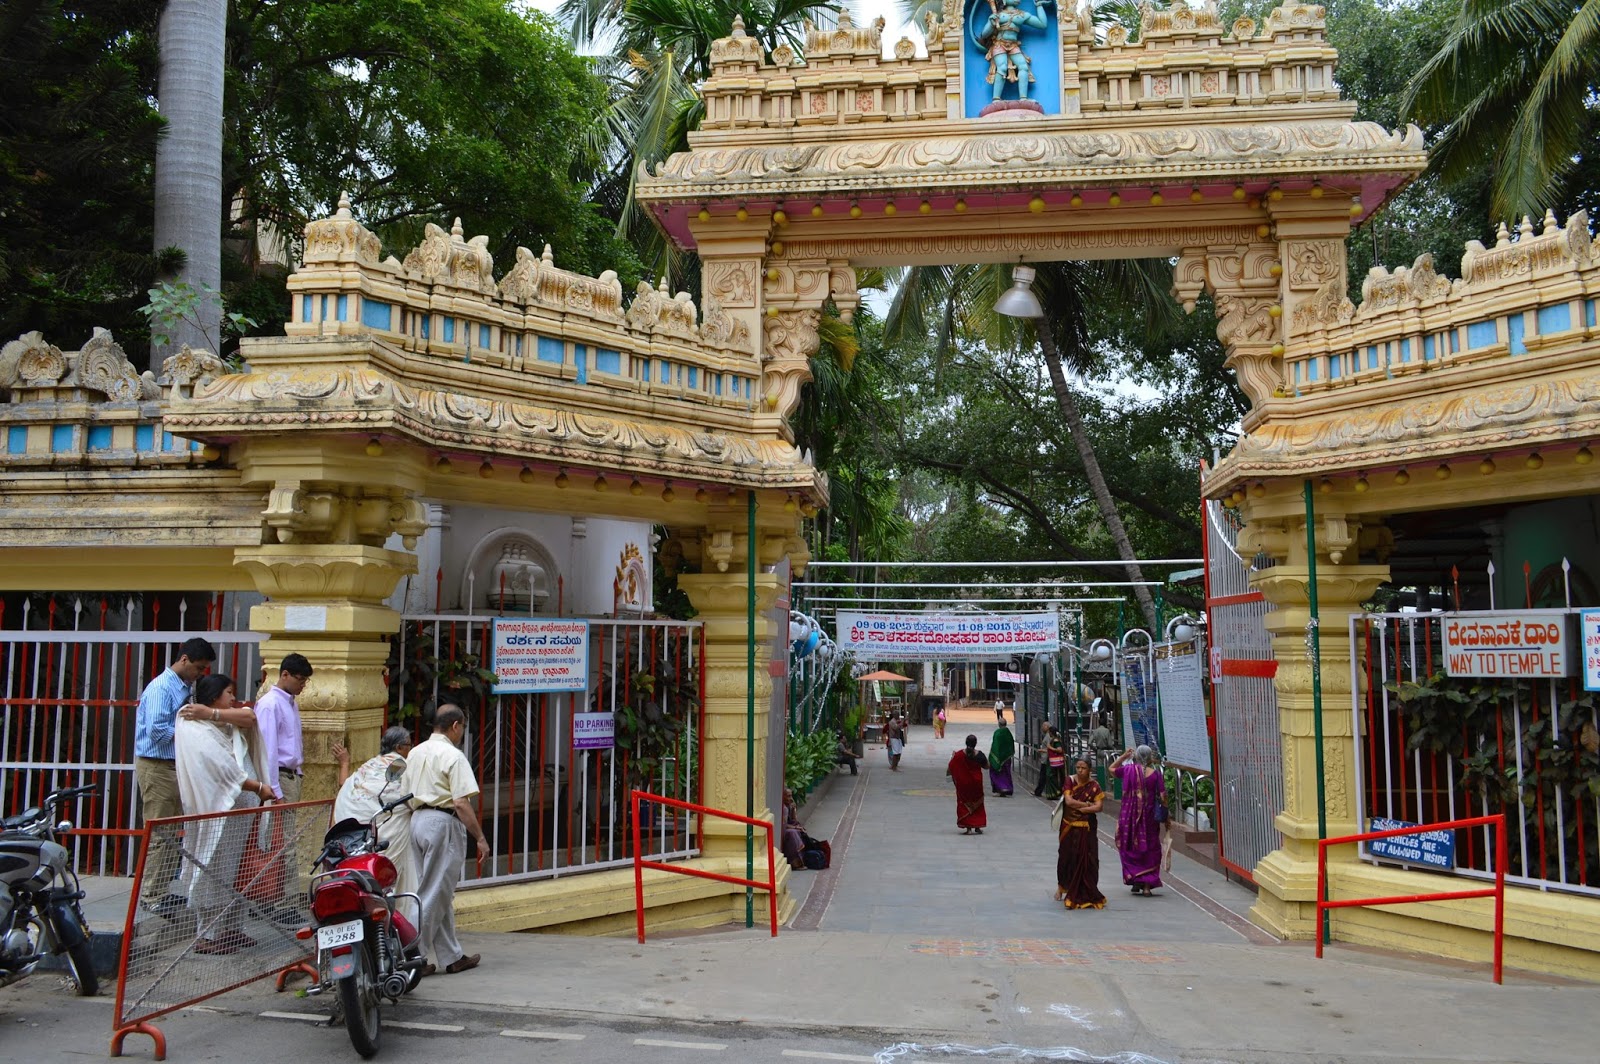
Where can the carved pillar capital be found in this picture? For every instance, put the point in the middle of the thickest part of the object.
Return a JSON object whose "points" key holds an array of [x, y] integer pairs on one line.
{"points": [[1244, 279], [326, 601], [790, 338]]}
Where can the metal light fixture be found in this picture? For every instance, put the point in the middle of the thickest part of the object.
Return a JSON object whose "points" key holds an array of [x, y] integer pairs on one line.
{"points": [[1180, 629], [1018, 301]]}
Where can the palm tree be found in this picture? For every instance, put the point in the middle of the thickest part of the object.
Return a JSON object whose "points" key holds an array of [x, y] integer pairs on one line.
{"points": [[188, 174], [951, 303], [1514, 81], [660, 53]]}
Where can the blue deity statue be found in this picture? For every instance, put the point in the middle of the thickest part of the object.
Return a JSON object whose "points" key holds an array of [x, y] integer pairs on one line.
{"points": [[1000, 40]]}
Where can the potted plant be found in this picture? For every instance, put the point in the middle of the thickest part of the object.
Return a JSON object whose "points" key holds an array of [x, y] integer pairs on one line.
{"points": [[421, 681], [651, 727]]}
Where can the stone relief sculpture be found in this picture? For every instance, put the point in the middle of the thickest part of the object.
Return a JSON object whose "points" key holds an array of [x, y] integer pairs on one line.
{"points": [[98, 372]]}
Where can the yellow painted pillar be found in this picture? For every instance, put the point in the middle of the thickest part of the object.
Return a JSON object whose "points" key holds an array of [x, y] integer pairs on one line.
{"points": [[1287, 877], [326, 601], [720, 592]]}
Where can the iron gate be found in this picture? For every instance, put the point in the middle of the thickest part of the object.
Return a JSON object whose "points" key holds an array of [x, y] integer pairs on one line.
{"points": [[1249, 746]]}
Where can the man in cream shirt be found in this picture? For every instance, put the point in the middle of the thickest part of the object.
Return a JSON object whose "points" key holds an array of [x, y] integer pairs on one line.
{"points": [[442, 788]]}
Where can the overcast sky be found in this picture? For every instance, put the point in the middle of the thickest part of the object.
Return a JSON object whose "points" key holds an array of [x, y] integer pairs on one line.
{"points": [[862, 11]]}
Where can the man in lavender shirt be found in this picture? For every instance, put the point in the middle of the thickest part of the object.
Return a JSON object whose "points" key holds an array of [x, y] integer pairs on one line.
{"points": [[278, 717]]}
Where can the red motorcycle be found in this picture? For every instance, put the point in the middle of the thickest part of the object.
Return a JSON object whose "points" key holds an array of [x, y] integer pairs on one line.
{"points": [[366, 947]]}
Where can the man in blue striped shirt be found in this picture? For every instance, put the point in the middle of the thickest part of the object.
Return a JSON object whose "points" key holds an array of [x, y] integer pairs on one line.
{"points": [[153, 764]]}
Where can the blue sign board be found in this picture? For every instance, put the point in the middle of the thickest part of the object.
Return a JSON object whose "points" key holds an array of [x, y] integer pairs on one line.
{"points": [[1435, 849]]}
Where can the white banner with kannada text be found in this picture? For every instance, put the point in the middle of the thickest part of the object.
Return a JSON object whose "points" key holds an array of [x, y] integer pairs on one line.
{"points": [[947, 636]]}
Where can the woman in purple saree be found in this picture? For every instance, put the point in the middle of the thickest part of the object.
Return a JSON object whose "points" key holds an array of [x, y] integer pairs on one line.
{"points": [[1144, 789]]}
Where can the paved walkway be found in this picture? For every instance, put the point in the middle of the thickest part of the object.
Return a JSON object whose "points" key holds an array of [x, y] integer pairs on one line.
{"points": [[930, 946], [931, 938]]}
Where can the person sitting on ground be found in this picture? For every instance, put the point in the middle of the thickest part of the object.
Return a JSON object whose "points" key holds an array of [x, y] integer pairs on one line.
{"points": [[844, 753], [794, 832]]}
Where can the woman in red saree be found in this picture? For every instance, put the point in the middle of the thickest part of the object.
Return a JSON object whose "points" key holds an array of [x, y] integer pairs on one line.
{"points": [[1078, 854], [966, 769]]}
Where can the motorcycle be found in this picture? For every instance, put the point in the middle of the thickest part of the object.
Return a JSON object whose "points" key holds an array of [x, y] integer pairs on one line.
{"points": [[367, 949], [40, 915]]}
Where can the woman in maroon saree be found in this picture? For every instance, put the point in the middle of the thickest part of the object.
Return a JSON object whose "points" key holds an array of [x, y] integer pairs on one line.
{"points": [[1078, 853], [966, 769], [1144, 788]]}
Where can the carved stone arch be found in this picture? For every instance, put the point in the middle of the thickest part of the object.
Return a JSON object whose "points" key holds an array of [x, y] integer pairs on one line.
{"points": [[529, 567]]}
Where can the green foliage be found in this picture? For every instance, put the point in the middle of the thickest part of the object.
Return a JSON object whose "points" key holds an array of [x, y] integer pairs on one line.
{"points": [[416, 672], [77, 153], [422, 111], [1560, 754], [652, 720], [807, 759], [660, 51], [1514, 83], [174, 302], [1188, 792]]}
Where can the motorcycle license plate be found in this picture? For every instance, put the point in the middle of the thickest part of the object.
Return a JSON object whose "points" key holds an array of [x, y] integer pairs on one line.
{"points": [[339, 934]]}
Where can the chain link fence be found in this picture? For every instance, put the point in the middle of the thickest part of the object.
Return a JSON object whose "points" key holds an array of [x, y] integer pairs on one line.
{"points": [[235, 896]]}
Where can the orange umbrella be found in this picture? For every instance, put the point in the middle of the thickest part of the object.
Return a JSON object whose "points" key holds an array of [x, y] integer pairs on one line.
{"points": [[884, 677]]}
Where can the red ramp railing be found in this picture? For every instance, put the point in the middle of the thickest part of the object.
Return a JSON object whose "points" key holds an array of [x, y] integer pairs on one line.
{"points": [[770, 884], [1497, 892]]}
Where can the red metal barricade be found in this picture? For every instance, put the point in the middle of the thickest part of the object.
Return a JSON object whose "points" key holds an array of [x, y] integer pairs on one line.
{"points": [[235, 881], [640, 864], [1497, 892]]}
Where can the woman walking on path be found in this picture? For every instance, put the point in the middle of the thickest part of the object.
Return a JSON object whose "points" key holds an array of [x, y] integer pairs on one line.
{"points": [[1141, 819], [938, 724], [894, 740], [1002, 748], [966, 769], [1078, 851]]}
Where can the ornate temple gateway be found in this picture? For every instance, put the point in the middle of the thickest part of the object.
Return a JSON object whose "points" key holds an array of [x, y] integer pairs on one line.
{"points": [[425, 429], [1228, 149]]}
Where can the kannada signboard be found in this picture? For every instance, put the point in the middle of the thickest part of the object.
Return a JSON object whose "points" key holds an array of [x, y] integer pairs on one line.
{"points": [[947, 636], [1011, 677], [1436, 849], [1589, 636], [1183, 705], [593, 731], [1509, 644], [532, 656]]}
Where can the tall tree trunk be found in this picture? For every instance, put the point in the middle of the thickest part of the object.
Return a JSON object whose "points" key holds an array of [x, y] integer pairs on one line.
{"points": [[188, 177], [1068, 404]]}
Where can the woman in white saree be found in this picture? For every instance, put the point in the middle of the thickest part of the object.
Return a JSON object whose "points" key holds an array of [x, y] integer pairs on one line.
{"points": [[219, 768]]}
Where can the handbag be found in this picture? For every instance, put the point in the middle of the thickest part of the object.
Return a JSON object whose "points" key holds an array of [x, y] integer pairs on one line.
{"points": [[1057, 814], [263, 873], [1161, 813]]}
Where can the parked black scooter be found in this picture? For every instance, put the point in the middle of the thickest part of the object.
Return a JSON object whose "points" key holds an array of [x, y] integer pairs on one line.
{"points": [[40, 914]]}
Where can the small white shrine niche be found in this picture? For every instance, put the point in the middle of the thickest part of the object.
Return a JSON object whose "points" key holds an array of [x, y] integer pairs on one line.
{"points": [[510, 572]]}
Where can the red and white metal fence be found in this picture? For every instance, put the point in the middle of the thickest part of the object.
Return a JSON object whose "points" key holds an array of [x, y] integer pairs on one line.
{"points": [[71, 673], [1432, 748], [549, 809]]}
